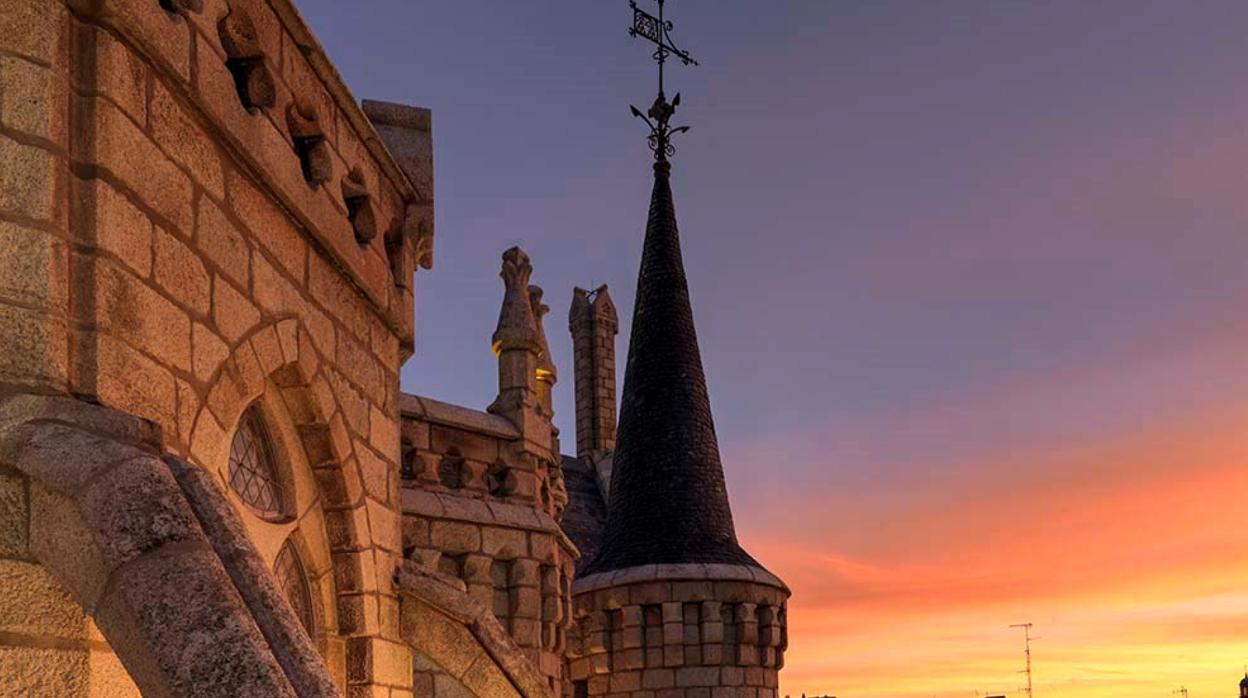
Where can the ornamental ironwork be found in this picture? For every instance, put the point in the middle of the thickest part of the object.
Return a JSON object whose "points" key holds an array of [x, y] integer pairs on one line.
{"points": [[657, 31]]}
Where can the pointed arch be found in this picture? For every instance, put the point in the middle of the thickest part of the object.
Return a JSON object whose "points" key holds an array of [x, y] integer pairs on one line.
{"points": [[279, 366]]}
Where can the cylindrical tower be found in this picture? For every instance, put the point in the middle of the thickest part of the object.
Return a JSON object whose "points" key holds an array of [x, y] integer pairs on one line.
{"points": [[671, 604]]}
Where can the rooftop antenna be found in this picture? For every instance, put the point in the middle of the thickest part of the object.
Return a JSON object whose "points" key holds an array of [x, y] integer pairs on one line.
{"points": [[1180, 691], [656, 31], [1027, 638]]}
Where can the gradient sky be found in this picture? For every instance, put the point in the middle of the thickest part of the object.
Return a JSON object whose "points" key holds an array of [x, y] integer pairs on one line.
{"points": [[969, 279]]}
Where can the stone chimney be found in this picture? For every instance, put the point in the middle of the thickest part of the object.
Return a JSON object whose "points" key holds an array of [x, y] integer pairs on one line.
{"points": [[594, 324]]}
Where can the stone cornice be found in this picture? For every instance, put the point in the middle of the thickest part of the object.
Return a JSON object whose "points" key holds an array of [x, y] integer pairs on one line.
{"points": [[483, 513], [679, 572], [438, 412]]}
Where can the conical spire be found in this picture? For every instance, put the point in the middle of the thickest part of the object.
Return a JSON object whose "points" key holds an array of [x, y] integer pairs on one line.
{"points": [[668, 503]]}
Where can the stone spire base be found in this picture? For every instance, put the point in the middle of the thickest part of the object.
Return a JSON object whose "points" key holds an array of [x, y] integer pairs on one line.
{"points": [[694, 630]]}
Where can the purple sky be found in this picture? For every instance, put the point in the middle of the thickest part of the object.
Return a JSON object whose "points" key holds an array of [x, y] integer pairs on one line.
{"points": [[919, 235], [880, 201]]}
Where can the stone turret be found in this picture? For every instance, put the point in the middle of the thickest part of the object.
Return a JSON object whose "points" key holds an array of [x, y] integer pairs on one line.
{"points": [[671, 602], [547, 374], [518, 344], [593, 323]]}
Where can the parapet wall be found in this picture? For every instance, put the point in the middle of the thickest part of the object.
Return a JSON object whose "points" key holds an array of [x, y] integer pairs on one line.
{"points": [[255, 76], [478, 510], [679, 631]]}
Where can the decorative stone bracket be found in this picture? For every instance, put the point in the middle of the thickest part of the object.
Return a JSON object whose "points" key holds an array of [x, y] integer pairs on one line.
{"points": [[247, 62]]}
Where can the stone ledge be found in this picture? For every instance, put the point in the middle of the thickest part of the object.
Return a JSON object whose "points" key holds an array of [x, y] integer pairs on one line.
{"points": [[478, 511], [429, 410], [90, 417], [676, 573]]}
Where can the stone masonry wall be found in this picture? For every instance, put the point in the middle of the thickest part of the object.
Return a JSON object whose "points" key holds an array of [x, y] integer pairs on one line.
{"points": [[474, 510], [679, 631], [593, 322], [197, 216]]}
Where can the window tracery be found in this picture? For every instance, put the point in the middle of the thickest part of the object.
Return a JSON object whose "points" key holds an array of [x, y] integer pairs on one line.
{"points": [[252, 470]]}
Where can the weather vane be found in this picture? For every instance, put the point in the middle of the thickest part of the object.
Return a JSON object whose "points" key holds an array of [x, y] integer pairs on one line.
{"points": [[656, 30]]}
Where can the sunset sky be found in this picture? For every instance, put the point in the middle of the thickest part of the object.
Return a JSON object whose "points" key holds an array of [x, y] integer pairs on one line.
{"points": [[970, 283]]}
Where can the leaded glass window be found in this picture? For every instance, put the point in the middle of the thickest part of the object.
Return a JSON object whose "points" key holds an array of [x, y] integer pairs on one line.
{"points": [[253, 474], [294, 583]]}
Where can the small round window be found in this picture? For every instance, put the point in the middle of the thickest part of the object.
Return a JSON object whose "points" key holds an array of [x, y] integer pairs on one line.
{"points": [[294, 583], [253, 473]]}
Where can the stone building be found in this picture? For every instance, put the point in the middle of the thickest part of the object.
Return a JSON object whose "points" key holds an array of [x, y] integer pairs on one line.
{"points": [[210, 482]]}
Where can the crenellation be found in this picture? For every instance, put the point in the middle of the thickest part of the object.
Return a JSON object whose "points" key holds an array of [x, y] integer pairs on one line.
{"points": [[263, 23], [361, 210], [309, 140]]}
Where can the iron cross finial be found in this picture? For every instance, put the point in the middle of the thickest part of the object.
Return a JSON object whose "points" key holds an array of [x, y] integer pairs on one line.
{"points": [[657, 31]]}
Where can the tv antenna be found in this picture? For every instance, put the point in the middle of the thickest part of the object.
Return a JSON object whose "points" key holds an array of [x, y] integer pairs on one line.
{"points": [[1027, 638]]}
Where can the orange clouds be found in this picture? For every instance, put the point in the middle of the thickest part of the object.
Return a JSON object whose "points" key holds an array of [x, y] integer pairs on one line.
{"points": [[1128, 552]]}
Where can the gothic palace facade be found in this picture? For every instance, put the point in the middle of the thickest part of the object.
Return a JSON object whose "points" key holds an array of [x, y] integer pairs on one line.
{"points": [[210, 482]]}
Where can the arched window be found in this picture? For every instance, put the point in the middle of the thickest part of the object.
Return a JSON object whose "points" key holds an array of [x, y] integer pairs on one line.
{"points": [[294, 583], [253, 473]]}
